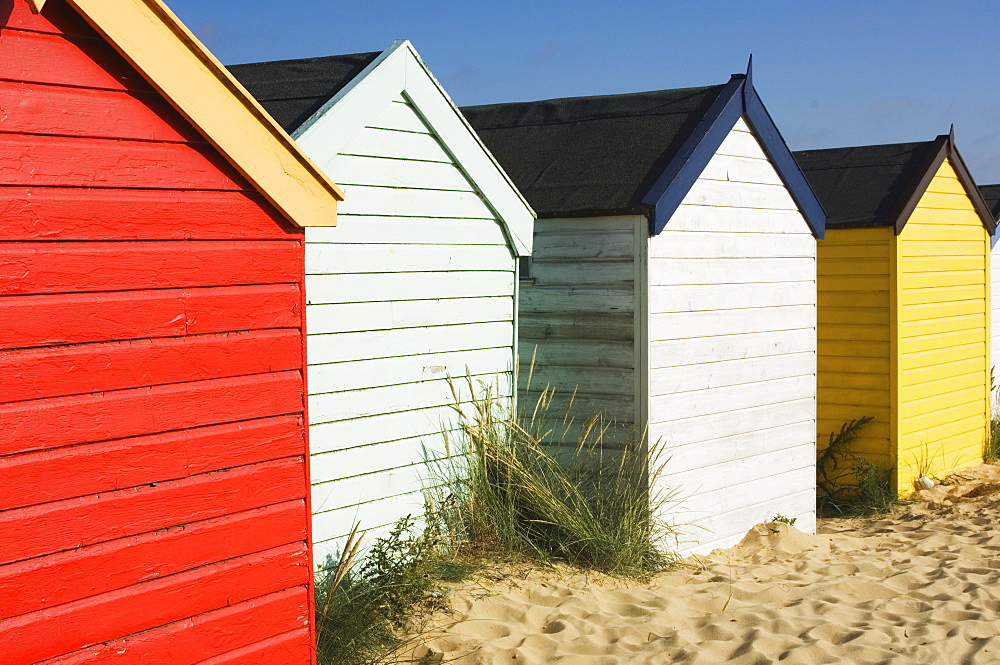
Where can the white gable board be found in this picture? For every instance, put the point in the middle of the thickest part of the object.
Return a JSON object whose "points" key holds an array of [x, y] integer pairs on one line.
{"points": [[731, 339], [416, 284]]}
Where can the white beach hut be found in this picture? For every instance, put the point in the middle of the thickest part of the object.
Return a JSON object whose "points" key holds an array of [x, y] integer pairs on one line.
{"points": [[673, 286], [417, 282], [991, 193]]}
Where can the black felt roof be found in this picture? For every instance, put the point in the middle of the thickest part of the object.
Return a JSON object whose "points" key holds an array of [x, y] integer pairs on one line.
{"points": [[293, 90], [590, 155], [992, 195], [859, 186]]}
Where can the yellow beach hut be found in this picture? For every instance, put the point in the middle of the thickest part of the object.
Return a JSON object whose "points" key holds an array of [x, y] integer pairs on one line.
{"points": [[903, 304]]}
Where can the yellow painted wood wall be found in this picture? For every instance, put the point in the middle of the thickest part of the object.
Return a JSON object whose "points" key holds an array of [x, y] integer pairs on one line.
{"points": [[943, 318], [903, 335], [853, 345]]}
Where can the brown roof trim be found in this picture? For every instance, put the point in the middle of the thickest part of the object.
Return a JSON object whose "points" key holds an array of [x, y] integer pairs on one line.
{"points": [[943, 148]]}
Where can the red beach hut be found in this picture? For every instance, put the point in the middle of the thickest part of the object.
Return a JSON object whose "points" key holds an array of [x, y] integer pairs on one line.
{"points": [[153, 467]]}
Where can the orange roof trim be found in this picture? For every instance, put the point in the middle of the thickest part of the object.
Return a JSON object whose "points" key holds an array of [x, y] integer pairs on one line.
{"points": [[172, 59]]}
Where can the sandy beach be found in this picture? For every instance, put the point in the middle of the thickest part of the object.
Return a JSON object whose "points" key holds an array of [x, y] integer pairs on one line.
{"points": [[921, 585]]}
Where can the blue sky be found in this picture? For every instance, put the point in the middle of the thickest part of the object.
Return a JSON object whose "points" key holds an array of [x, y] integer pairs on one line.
{"points": [[831, 73]]}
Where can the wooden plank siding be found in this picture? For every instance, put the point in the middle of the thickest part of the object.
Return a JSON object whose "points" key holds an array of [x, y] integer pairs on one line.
{"points": [[577, 319], [855, 310], [943, 314], [731, 329], [154, 470], [415, 285]]}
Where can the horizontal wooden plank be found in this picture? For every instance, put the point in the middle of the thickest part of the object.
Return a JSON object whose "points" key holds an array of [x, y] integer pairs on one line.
{"points": [[832, 365], [365, 229], [704, 376], [729, 398], [59, 213], [534, 298], [870, 287], [250, 626], [58, 161], [62, 421], [593, 326], [975, 324], [578, 353], [580, 408], [600, 224], [730, 168], [67, 525], [680, 428], [943, 201], [936, 264], [390, 201], [612, 244], [364, 374], [353, 317], [739, 195], [927, 443], [945, 225], [670, 272], [852, 348], [87, 368], [942, 184], [930, 413], [331, 527], [143, 607], [931, 355], [830, 317], [853, 266], [573, 272], [33, 321], [30, 268], [35, 57], [870, 380], [350, 462], [391, 258], [939, 310], [291, 648], [723, 530], [350, 170], [700, 218], [397, 145], [428, 423], [83, 112], [832, 250], [959, 343], [851, 300], [698, 298], [942, 248], [374, 287], [745, 445], [361, 489], [946, 385], [686, 325], [328, 407], [852, 332], [603, 380], [744, 482], [112, 465], [680, 352], [715, 245], [342, 347], [18, 16], [85, 572]]}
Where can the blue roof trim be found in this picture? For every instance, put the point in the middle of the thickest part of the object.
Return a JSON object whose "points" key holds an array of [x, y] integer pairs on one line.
{"points": [[679, 176], [737, 99], [785, 164]]}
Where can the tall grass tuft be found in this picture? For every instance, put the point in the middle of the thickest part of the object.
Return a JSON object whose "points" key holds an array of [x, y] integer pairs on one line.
{"points": [[588, 503], [847, 483], [991, 449]]}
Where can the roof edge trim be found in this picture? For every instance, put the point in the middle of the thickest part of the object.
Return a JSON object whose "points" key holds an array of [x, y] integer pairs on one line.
{"points": [[944, 148], [154, 41], [737, 98], [400, 70]]}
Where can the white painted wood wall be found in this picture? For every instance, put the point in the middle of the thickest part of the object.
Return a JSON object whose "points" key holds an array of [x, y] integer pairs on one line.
{"points": [[417, 282], [732, 350], [578, 319], [995, 316]]}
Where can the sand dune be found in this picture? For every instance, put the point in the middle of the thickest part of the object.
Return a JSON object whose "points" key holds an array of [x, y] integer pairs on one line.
{"points": [[920, 586]]}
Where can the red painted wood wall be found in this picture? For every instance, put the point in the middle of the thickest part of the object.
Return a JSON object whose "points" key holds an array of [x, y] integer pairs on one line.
{"points": [[153, 475]]}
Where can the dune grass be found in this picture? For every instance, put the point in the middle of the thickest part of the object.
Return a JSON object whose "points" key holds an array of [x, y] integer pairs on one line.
{"points": [[588, 503], [846, 482]]}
